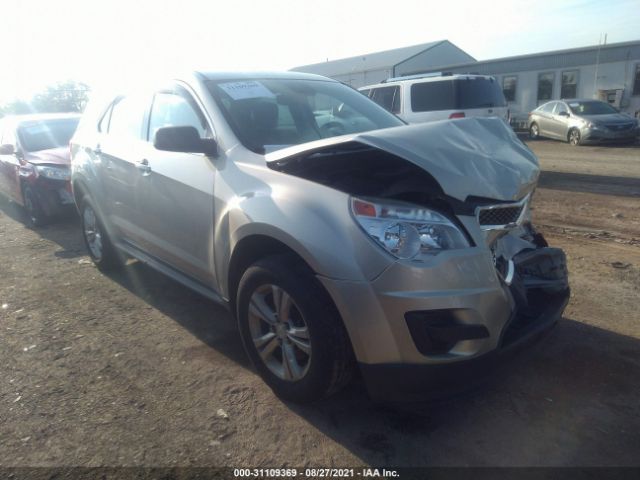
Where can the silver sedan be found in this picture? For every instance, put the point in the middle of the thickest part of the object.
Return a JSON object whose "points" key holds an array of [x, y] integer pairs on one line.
{"points": [[582, 121]]}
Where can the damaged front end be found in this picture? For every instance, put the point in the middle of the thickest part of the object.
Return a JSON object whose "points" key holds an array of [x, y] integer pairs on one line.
{"points": [[451, 301]]}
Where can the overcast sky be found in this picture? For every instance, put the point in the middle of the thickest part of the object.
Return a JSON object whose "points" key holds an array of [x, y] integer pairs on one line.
{"points": [[107, 42]]}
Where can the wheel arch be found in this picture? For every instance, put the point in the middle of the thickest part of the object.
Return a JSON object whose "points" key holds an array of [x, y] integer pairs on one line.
{"points": [[249, 250]]}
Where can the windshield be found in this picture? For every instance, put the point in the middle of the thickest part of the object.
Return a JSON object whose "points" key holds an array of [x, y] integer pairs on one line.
{"points": [[591, 108], [268, 114], [46, 134]]}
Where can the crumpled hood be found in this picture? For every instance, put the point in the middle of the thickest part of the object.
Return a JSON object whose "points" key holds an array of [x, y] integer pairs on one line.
{"points": [[53, 156], [480, 157]]}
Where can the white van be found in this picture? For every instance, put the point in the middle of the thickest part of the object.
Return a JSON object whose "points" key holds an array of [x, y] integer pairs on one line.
{"points": [[418, 99]]}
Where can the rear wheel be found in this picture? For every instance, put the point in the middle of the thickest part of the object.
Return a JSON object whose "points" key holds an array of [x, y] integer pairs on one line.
{"points": [[291, 330], [574, 137], [534, 131], [32, 206], [102, 252]]}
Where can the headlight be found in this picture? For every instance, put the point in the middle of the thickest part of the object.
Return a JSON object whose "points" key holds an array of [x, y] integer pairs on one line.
{"points": [[54, 173], [407, 231]]}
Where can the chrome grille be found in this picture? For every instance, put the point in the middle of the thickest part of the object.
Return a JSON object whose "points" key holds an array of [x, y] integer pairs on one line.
{"points": [[507, 215]]}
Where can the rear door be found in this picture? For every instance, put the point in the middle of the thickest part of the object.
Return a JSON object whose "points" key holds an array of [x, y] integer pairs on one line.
{"points": [[177, 204], [545, 119], [559, 124], [120, 154]]}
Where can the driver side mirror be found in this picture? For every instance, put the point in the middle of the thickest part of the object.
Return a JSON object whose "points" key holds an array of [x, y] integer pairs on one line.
{"points": [[563, 114], [7, 149], [184, 139]]}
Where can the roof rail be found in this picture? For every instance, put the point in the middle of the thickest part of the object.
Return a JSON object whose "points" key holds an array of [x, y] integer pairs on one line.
{"points": [[412, 77]]}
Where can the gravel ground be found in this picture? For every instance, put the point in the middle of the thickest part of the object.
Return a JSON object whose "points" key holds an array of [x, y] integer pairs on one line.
{"points": [[134, 369]]}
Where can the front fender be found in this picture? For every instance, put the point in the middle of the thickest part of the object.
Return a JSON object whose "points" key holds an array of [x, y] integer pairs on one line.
{"points": [[315, 222]]}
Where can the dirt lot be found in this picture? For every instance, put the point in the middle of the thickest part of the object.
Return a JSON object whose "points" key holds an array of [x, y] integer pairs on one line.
{"points": [[133, 369]]}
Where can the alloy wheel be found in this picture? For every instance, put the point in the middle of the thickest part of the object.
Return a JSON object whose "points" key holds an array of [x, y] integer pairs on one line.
{"points": [[91, 231], [279, 333], [574, 137]]}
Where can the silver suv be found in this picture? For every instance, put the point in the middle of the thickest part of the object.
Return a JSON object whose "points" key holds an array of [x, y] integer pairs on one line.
{"points": [[406, 251]]}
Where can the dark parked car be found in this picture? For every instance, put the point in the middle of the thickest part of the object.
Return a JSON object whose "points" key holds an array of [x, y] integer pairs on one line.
{"points": [[582, 121], [34, 163]]}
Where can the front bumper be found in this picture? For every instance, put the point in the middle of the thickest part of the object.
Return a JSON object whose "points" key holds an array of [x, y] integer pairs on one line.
{"points": [[471, 318], [608, 135], [55, 196]]}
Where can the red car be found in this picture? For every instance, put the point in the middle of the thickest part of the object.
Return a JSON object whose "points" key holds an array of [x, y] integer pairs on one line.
{"points": [[34, 163]]}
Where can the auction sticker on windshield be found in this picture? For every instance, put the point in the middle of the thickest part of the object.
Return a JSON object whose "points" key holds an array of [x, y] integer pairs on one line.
{"points": [[244, 90]]}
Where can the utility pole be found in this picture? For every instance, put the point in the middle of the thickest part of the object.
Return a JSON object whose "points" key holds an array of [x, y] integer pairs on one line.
{"points": [[595, 79]]}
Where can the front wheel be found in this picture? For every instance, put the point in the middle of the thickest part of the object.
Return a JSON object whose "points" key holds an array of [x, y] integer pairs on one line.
{"points": [[291, 330], [102, 252], [534, 131], [574, 137]]}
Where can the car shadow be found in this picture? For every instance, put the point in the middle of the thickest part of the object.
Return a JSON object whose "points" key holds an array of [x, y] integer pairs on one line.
{"points": [[535, 408], [208, 321], [58, 230], [588, 183]]}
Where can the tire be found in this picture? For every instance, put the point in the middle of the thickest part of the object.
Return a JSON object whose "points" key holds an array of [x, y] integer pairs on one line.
{"points": [[99, 246], [35, 214], [306, 327], [534, 131], [574, 137]]}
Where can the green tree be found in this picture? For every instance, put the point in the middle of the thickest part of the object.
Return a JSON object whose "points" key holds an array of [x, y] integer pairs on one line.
{"points": [[16, 107], [69, 96]]}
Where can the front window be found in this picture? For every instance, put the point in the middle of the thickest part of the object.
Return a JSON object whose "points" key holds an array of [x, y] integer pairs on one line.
{"points": [[176, 109], [267, 114], [591, 108], [47, 134], [569, 87], [545, 87]]}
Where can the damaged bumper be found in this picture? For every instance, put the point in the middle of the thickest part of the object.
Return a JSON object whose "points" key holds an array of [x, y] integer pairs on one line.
{"points": [[425, 330], [55, 196]]}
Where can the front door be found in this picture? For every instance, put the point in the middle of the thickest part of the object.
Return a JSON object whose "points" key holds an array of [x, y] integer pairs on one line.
{"points": [[176, 201]]}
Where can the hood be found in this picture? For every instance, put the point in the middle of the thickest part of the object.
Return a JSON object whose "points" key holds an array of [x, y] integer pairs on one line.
{"points": [[609, 118], [472, 157], [52, 156]]}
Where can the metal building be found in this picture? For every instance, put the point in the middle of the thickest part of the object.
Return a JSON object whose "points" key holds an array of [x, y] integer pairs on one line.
{"points": [[606, 72], [375, 67]]}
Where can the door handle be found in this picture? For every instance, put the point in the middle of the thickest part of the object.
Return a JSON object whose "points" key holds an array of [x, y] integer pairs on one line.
{"points": [[143, 167]]}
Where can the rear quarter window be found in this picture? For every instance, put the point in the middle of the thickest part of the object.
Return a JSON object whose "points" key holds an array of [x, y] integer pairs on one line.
{"points": [[430, 96], [479, 92]]}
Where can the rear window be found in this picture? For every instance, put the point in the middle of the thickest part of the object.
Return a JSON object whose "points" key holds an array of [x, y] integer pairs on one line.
{"points": [[457, 94]]}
